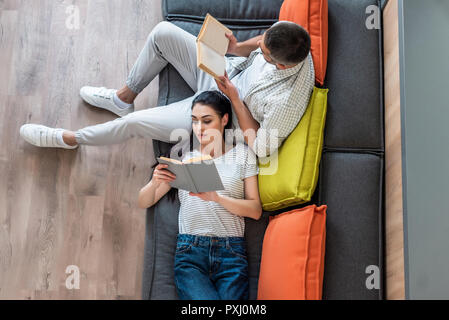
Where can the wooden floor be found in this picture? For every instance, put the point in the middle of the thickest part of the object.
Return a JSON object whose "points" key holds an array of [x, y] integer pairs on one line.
{"points": [[57, 207]]}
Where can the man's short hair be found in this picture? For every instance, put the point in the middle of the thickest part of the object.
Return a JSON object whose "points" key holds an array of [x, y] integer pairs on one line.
{"points": [[288, 42]]}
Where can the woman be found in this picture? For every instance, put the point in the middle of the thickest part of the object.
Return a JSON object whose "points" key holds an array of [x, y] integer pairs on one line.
{"points": [[210, 260]]}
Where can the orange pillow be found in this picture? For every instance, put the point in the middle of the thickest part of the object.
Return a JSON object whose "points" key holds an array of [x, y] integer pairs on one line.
{"points": [[292, 264], [313, 16]]}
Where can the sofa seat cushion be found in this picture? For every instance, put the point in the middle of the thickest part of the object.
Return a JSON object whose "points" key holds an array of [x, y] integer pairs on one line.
{"points": [[354, 78], [351, 187]]}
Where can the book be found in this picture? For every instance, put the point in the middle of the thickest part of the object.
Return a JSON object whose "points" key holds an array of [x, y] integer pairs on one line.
{"points": [[195, 175], [212, 46]]}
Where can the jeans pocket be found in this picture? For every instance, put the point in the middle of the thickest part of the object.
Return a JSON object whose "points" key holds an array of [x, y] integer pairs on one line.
{"points": [[238, 250], [183, 247]]}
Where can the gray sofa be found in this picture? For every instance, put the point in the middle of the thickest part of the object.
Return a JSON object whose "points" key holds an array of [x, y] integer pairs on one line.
{"points": [[351, 181]]}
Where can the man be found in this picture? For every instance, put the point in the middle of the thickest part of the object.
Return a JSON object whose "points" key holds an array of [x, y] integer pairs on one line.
{"points": [[269, 83]]}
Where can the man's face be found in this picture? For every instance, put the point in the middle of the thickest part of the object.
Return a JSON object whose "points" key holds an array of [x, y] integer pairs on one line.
{"points": [[266, 53]]}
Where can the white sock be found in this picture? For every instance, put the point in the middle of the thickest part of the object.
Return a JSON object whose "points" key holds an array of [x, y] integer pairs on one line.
{"points": [[119, 103]]}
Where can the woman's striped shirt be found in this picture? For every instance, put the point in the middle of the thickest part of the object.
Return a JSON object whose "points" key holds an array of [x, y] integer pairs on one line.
{"points": [[207, 218]]}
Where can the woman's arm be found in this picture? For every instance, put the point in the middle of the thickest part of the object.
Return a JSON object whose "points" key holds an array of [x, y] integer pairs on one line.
{"points": [[250, 207], [156, 188]]}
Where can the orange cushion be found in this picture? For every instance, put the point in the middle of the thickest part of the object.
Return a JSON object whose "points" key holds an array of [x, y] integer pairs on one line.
{"points": [[292, 264], [313, 16]]}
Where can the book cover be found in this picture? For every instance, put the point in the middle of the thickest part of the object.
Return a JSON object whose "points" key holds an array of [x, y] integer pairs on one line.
{"points": [[212, 45], [195, 175]]}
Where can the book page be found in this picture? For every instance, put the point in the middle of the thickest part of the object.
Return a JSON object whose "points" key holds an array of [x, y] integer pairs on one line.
{"points": [[198, 159], [213, 34], [171, 160], [210, 59]]}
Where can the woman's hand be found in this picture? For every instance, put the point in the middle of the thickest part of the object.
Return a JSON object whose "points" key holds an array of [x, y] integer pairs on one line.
{"points": [[157, 188], [227, 87], [161, 175], [206, 196]]}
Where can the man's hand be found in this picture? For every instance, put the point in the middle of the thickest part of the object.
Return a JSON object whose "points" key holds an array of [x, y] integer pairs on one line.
{"points": [[242, 49], [227, 87], [206, 196], [245, 119], [233, 44]]}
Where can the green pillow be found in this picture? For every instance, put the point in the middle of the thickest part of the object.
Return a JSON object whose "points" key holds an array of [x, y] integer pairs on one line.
{"points": [[290, 178]]}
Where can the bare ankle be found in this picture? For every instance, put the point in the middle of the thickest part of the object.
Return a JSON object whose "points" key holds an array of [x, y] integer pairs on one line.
{"points": [[69, 138], [126, 95]]}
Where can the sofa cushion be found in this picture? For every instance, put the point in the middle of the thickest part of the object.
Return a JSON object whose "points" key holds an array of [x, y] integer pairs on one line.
{"points": [[172, 87], [313, 16], [353, 77], [351, 186], [160, 245], [292, 263], [290, 176]]}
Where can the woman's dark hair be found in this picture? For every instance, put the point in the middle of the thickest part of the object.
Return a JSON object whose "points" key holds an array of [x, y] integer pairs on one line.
{"points": [[217, 101], [288, 42]]}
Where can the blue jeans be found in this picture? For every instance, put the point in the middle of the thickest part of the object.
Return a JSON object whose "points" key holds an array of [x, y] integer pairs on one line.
{"points": [[211, 268]]}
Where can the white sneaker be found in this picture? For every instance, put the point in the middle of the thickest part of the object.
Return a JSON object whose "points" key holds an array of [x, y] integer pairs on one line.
{"points": [[44, 137], [104, 98]]}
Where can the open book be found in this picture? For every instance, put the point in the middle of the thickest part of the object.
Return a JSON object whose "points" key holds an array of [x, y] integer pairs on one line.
{"points": [[212, 46], [195, 175]]}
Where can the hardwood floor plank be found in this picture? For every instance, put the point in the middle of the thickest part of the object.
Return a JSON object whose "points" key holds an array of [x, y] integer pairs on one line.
{"points": [[16, 172], [138, 19], [28, 75], [69, 17], [8, 24], [10, 4]]}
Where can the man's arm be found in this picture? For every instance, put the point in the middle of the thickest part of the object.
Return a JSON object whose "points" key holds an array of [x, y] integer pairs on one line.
{"points": [[242, 49], [247, 123], [264, 138]]}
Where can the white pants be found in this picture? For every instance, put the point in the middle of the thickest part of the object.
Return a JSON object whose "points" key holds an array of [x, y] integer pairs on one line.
{"points": [[167, 43]]}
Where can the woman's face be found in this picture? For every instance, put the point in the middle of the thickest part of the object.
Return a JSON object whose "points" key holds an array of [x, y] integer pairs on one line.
{"points": [[207, 124]]}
